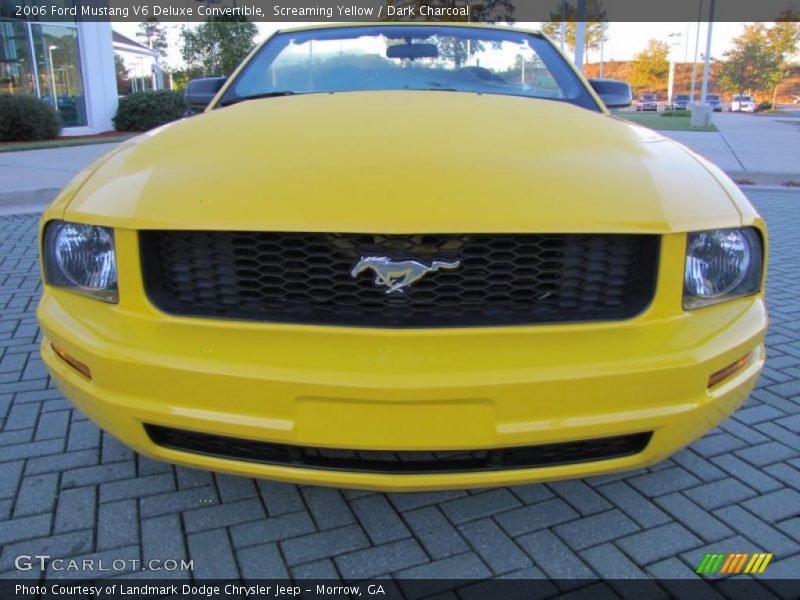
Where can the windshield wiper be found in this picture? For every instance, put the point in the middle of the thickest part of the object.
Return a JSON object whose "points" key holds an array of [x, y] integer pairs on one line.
{"points": [[230, 101]]}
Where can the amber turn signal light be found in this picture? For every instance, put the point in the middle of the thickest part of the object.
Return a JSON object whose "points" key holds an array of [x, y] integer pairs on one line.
{"points": [[72, 362], [729, 370]]}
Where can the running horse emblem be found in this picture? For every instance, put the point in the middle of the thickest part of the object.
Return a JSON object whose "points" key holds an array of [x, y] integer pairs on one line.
{"points": [[395, 276]]}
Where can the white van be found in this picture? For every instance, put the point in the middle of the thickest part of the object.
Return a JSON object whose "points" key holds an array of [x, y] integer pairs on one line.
{"points": [[743, 103]]}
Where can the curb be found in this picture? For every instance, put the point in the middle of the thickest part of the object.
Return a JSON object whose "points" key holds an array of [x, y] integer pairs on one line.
{"points": [[26, 201], [771, 188], [26, 197], [756, 178]]}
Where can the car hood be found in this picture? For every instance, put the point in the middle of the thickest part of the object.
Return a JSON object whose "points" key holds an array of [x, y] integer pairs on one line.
{"points": [[406, 161]]}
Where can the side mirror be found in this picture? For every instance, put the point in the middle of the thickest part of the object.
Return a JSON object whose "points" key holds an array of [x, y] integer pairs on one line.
{"points": [[200, 92], [613, 93]]}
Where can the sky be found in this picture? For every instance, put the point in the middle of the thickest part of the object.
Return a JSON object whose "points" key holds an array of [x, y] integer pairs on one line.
{"points": [[625, 40]]}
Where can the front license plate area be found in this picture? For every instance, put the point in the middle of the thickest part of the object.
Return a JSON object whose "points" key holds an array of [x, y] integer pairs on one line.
{"points": [[396, 425]]}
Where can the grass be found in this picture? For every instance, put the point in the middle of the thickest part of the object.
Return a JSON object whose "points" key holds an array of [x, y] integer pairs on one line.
{"points": [[65, 142], [663, 121]]}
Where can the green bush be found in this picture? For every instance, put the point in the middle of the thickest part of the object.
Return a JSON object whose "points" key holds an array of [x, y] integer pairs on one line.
{"points": [[676, 113], [26, 118], [764, 106], [145, 110]]}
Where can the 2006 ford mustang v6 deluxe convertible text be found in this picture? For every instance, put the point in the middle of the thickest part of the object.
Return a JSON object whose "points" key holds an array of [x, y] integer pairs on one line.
{"points": [[402, 257]]}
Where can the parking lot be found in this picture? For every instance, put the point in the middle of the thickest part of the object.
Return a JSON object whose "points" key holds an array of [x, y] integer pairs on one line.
{"points": [[68, 490]]}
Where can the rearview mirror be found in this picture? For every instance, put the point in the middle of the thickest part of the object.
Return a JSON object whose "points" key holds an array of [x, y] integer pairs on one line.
{"points": [[412, 51], [613, 93], [200, 92]]}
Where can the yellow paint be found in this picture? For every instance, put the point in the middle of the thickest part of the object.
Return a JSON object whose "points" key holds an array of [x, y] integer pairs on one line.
{"points": [[763, 565], [410, 161], [518, 386], [404, 162]]}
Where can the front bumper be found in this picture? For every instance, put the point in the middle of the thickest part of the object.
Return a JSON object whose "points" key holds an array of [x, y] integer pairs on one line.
{"points": [[371, 389]]}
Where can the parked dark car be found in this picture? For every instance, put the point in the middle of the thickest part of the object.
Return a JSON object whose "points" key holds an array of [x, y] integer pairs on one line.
{"points": [[681, 102], [647, 102], [715, 102]]}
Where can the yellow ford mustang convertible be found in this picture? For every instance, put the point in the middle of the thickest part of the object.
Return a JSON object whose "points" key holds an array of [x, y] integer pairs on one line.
{"points": [[404, 257]]}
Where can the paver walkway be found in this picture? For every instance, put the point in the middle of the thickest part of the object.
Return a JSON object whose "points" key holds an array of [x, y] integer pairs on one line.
{"points": [[748, 143], [68, 490]]}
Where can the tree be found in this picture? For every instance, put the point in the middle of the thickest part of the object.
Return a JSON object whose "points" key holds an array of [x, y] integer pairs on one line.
{"points": [[651, 65], [123, 84], [784, 38], [154, 37], [486, 11], [181, 77], [753, 64], [459, 51], [595, 30], [219, 45], [456, 50], [492, 11]]}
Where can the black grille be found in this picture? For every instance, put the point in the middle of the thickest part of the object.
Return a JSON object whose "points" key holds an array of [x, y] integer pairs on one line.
{"points": [[306, 277], [398, 462]]}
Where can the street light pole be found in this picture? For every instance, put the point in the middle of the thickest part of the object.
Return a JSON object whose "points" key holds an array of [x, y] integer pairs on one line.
{"points": [[580, 34], [603, 29], [707, 65], [686, 44], [602, 66], [696, 46], [52, 75], [671, 81]]}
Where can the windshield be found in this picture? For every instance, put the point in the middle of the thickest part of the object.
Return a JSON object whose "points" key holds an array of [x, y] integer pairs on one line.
{"points": [[742, 98], [681, 97], [409, 57], [712, 97], [647, 97]]}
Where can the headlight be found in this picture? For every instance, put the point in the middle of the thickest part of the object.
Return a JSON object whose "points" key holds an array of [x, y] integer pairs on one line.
{"points": [[81, 258], [721, 264]]}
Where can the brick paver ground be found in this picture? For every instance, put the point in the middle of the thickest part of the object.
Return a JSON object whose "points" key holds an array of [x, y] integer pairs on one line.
{"points": [[68, 490]]}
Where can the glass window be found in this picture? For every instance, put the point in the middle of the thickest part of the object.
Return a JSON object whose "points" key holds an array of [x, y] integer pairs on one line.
{"points": [[59, 66], [16, 66], [410, 57], [36, 10]]}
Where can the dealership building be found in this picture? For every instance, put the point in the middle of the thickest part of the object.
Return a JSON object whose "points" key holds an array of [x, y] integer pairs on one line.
{"points": [[69, 65]]}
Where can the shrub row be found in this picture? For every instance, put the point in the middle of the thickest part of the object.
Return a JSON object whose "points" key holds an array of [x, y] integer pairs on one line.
{"points": [[26, 118], [141, 111], [676, 113]]}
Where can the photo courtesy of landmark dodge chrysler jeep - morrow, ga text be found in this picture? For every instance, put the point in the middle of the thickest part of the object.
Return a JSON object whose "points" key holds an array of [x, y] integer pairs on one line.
{"points": [[404, 257]]}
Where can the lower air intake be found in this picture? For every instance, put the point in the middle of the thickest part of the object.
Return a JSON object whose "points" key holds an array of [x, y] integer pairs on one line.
{"points": [[400, 462]]}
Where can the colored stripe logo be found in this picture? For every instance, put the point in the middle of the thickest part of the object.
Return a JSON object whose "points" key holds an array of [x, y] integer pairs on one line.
{"points": [[734, 563]]}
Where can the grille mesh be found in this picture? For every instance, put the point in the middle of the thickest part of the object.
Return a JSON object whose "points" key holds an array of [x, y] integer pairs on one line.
{"points": [[399, 461], [306, 277]]}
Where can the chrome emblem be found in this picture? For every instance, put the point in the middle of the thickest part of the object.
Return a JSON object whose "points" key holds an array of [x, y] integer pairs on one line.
{"points": [[395, 275]]}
